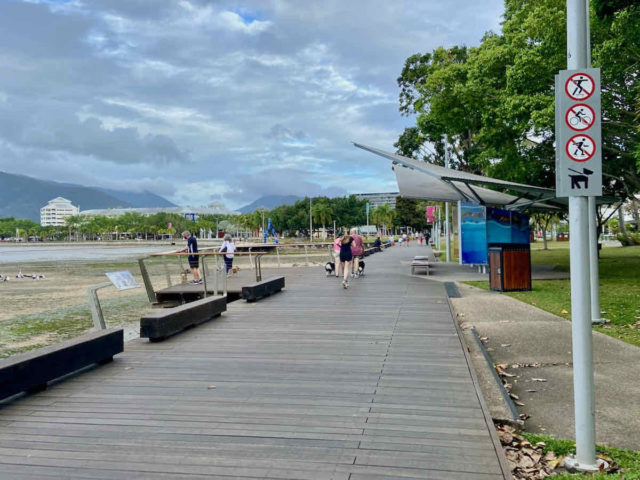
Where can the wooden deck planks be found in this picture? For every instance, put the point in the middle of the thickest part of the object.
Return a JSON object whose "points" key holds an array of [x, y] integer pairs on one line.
{"points": [[318, 382]]}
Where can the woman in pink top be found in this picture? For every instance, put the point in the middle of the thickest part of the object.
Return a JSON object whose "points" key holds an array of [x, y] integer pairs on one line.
{"points": [[336, 253], [356, 251]]}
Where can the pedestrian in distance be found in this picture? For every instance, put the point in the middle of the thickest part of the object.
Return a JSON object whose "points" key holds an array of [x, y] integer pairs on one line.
{"points": [[228, 247], [356, 252], [193, 257], [346, 257]]}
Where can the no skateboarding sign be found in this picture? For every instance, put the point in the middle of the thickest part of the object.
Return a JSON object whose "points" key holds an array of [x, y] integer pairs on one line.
{"points": [[578, 136]]}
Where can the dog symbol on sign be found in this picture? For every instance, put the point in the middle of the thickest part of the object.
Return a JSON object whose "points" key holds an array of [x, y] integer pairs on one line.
{"points": [[582, 178]]}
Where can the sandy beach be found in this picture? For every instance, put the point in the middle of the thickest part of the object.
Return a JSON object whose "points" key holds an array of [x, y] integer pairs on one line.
{"points": [[40, 312]]}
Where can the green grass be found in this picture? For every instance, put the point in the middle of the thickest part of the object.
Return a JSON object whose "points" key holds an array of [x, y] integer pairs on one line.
{"points": [[67, 322], [629, 460], [619, 288]]}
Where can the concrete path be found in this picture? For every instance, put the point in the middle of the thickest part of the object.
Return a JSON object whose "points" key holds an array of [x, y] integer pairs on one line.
{"points": [[521, 334], [317, 382]]}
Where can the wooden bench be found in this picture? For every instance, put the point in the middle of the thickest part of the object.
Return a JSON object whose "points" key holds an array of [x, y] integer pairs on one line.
{"points": [[419, 264], [264, 288], [163, 323], [31, 371], [421, 258]]}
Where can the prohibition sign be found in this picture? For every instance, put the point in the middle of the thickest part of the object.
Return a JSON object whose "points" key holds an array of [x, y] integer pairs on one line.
{"points": [[580, 148], [580, 117], [579, 86]]}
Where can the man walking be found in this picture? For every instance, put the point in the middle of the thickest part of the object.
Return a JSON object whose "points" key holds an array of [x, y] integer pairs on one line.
{"points": [[194, 259]]}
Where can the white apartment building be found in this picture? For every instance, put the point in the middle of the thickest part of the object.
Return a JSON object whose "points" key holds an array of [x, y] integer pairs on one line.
{"points": [[54, 213]]}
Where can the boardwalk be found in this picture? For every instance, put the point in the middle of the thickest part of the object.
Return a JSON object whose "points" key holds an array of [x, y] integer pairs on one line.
{"points": [[317, 382]]}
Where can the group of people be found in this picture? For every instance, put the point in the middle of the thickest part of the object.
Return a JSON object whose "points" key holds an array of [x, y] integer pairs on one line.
{"points": [[419, 237], [227, 247], [347, 251]]}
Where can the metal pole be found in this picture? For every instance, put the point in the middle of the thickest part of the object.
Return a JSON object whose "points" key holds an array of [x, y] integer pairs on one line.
{"points": [[94, 305], [583, 381], [446, 210], [310, 220], [459, 232], [596, 316]]}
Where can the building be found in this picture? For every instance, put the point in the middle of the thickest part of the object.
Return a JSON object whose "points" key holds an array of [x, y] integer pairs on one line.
{"points": [[377, 199], [189, 212], [54, 213]]}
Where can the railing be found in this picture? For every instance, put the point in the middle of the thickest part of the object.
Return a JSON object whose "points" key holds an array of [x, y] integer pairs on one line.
{"points": [[254, 253]]}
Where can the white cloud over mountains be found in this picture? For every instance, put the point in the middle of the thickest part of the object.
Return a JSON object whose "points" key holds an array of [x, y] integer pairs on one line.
{"points": [[222, 100]]}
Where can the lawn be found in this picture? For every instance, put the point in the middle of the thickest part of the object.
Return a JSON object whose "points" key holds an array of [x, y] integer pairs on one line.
{"points": [[628, 460], [619, 288]]}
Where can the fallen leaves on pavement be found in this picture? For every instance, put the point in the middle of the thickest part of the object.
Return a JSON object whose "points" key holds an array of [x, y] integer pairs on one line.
{"points": [[527, 461]]}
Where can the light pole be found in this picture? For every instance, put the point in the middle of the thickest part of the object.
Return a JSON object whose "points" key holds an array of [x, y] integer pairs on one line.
{"points": [[310, 219], [446, 209], [579, 240]]}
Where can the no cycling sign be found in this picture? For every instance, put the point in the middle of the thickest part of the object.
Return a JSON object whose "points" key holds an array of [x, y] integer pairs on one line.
{"points": [[578, 133]]}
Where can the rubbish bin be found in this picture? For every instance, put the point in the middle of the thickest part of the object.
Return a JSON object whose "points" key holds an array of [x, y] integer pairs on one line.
{"points": [[509, 267]]}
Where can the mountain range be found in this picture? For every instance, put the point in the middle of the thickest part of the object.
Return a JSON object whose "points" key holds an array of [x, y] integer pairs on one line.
{"points": [[270, 202], [22, 196]]}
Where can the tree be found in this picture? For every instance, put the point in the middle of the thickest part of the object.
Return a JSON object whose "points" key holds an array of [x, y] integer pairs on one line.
{"points": [[495, 102], [410, 213], [322, 212], [382, 216]]}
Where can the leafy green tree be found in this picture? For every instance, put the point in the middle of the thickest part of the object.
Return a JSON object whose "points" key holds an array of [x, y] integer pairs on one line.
{"points": [[495, 102], [322, 212]]}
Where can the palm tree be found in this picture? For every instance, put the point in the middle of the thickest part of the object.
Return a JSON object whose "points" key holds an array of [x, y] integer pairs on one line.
{"points": [[383, 216], [322, 213]]}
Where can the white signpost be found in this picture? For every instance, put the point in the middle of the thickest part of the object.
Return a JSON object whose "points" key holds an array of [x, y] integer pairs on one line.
{"points": [[579, 176]]}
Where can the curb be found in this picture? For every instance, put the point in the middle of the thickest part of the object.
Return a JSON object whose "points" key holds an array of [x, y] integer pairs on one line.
{"points": [[515, 419], [493, 433]]}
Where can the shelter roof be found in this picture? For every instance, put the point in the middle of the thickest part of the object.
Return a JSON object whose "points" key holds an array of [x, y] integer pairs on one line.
{"points": [[432, 182]]}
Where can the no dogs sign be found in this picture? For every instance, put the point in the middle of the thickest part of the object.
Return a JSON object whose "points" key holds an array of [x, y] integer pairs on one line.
{"points": [[578, 135]]}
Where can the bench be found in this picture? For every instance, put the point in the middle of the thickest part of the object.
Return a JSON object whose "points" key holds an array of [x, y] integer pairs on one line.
{"points": [[158, 325], [264, 288], [31, 371], [419, 264], [421, 258]]}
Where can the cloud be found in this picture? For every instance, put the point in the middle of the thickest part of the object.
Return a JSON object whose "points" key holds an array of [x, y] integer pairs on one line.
{"points": [[207, 101]]}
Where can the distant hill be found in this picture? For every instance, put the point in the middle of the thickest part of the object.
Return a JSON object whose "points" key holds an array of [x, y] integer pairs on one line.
{"points": [[22, 196], [270, 202], [139, 199]]}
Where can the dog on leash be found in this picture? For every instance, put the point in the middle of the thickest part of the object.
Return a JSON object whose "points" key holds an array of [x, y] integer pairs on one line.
{"points": [[330, 268], [361, 268]]}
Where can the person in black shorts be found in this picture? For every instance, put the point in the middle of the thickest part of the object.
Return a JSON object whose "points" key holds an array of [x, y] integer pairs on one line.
{"points": [[194, 259], [346, 257]]}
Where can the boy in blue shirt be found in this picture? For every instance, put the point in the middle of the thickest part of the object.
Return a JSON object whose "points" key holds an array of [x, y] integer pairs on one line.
{"points": [[194, 260]]}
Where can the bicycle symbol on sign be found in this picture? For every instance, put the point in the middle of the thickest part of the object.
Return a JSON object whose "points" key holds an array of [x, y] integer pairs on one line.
{"points": [[580, 117]]}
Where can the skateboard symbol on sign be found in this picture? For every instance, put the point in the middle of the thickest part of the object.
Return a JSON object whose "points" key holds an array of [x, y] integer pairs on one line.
{"points": [[580, 148], [579, 86], [580, 117], [582, 178]]}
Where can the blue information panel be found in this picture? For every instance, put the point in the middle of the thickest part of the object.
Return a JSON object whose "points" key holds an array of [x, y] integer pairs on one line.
{"points": [[481, 226], [473, 226]]}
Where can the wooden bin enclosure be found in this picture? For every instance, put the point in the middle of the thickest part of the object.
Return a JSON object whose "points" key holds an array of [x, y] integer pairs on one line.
{"points": [[509, 267]]}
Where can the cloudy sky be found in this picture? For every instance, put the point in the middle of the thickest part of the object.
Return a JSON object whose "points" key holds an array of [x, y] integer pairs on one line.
{"points": [[212, 100]]}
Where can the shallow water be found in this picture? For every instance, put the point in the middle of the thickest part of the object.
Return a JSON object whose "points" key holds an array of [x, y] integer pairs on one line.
{"points": [[53, 253]]}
